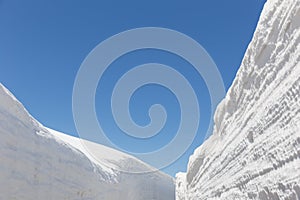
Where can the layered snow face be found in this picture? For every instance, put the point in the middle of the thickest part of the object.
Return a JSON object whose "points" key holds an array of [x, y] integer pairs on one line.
{"points": [[254, 152], [39, 163]]}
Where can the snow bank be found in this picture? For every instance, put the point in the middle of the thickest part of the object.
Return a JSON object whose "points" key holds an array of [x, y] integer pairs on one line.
{"points": [[40, 163], [254, 152]]}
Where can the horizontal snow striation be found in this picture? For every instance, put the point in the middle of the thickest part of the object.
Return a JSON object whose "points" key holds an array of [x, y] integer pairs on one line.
{"points": [[254, 152], [39, 163]]}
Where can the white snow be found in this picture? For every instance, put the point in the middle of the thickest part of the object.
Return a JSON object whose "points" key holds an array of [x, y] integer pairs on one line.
{"points": [[254, 151], [40, 163]]}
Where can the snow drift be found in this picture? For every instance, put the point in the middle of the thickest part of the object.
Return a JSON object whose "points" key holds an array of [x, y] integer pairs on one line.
{"points": [[254, 151], [39, 163]]}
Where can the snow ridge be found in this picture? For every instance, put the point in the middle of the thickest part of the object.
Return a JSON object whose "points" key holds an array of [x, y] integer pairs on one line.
{"points": [[40, 163], [254, 152]]}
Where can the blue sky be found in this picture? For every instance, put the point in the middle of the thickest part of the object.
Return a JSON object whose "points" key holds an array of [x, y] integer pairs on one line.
{"points": [[43, 43]]}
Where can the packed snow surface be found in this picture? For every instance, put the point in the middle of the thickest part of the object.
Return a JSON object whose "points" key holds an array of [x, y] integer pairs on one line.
{"points": [[40, 163], [254, 151]]}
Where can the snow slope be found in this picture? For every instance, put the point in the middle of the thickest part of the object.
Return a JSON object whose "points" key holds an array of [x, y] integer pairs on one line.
{"points": [[40, 163], [254, 151]]}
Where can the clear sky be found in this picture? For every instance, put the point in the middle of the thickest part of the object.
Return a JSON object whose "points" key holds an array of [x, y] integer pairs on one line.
{"points": [[43, 43]]}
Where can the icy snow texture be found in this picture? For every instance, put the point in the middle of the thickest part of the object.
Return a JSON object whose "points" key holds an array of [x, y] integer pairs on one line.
{"points": [[39, 163], [254, 151]]}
